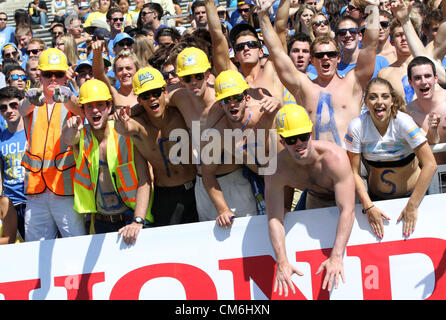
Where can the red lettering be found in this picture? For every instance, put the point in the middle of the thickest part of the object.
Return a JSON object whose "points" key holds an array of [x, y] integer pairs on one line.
{"points": [[19, 290], [80, 286], [243, 269], [197, 284], [377, 254]]}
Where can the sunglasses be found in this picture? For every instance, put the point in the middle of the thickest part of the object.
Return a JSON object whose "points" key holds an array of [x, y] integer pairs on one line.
{"points": [[236, 98], [33, 51], [166, 74], [291, 141], [156, 93], [50, 74], [384, 24], [118, 19], [16, 77], [143, 13], [197, 76], [319, 23], [3, 19], [125, 43], [352, 8], [11, 54], [221, 14], [13, 105], [329, 54], [343, 32], [199, 12], [250, 44], [56, 34], [246, 10]]}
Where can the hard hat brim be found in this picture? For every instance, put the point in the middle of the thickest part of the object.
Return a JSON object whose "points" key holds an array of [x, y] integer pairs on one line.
{"points": [[295, 132]]}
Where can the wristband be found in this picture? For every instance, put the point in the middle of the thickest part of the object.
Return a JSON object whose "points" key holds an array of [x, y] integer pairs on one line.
{"points": [[364, 211]]}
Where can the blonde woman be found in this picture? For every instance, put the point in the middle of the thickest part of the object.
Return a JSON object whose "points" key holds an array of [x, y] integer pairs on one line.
{"points": [[303, 17], [320, 26], [67, 44], [400, 161], [143, 49]]}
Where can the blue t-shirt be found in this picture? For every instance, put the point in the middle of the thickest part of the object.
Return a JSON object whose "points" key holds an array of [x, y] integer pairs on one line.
{"points": [[13, 146], [3, 123], [380, 63], [7, 35]]}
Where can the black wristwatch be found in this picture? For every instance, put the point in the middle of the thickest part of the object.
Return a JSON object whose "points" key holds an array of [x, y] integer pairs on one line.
{"points": [[138, 220]]}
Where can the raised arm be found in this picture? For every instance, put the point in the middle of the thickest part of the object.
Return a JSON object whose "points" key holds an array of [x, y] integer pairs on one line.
{"points": [[220, 45], [281, 21], [291, 78], [365, 66], [401, 11]]}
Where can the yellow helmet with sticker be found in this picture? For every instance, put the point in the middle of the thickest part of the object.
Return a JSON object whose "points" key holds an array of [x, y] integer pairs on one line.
{"points": [[229, 83], [192, 61], [147, 79], [292, 119], [52, 59], [94, 90]]}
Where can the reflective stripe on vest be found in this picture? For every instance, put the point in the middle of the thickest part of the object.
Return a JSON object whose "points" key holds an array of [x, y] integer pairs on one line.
{"points": [[120, 161], [48, 161]]}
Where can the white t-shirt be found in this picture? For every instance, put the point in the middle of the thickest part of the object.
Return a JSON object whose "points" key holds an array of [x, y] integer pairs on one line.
{"points": [[402, 136]]}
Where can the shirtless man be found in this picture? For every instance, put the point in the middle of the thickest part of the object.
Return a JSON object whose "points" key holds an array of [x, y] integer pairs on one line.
{"points": [[125, 66], [247, 115], [194, 100], [174, 198], [299, 160], [396, 73], [331, 101], [385, 49], [429, 109], [248, 53]]}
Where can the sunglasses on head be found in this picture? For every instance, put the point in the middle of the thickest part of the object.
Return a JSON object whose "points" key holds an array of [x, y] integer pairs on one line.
{"points": [[343, 32], [291, 141], [15, 77], [329, 54], [236, 98], [250, 44], [118, 19], [156, 93], [384, 24], [13, 105], [197, 76], [319, 23], [166, 74], [33, 51], [49, 74]]}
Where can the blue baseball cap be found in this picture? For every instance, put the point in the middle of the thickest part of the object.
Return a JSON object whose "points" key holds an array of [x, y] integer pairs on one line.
{"points": [[83, 62], [121, 36], [6, 45]]}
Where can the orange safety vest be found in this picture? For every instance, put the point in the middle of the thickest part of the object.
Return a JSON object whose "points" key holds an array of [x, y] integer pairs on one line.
{"points": [[48, 161]]}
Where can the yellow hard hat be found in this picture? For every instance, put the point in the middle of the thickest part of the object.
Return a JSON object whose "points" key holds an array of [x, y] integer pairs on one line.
{"points": [[147, 79], [229, 83], [94, 90], [292, 119], [52, 59], [192, 61]]}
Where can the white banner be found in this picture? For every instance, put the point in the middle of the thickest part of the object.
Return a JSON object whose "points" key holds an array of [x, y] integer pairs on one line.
{"points": [[204, 261]]}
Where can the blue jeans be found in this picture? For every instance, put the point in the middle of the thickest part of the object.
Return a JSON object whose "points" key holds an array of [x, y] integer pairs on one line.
{"points": [[42, 19]]}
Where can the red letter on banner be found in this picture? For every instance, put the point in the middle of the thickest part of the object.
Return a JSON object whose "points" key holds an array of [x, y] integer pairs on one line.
{"points": [[377, 254], [80, 286], [197, 284], [19, 290]]}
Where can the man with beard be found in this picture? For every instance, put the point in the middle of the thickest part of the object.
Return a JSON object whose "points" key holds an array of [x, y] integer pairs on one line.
{"points": [[111, 179]]}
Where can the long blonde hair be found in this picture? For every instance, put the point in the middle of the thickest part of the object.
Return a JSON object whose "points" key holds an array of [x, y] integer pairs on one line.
{"points": [[70, 48], [143, 49]]}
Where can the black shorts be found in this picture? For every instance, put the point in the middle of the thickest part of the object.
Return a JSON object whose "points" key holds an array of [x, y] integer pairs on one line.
{"points": [[174, 205]]}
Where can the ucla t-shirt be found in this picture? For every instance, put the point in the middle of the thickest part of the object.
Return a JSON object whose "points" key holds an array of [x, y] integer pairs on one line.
{"points": [[13, 146]]}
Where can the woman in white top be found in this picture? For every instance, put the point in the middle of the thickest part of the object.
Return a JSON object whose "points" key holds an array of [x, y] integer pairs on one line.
{"points": [[393, 146]]}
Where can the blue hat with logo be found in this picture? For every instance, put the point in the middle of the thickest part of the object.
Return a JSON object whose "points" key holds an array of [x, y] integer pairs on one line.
{"points": [[6, 45], [121, 36], [83, 62]]}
